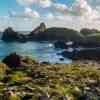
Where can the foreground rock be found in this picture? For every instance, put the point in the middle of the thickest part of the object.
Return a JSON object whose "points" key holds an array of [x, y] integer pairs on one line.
{"points": [[13, 60]]}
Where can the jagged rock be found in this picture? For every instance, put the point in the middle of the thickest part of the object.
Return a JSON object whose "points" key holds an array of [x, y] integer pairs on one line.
{"points": [[36, 34], [13, 60], [39, 29]]}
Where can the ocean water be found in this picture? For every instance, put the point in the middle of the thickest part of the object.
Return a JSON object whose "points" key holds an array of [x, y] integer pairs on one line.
{"points": [[41, 52]]}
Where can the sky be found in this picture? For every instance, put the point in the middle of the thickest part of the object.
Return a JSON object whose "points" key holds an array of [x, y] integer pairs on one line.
{"points": [[26, 14], [18, 6]]}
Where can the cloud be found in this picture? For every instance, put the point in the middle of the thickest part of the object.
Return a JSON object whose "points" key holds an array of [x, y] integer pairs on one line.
{"points": [[82, 8], [31, 13], [41, 3], [50, 16], [62, 8], [94, 2], [26, 2], [44, 3]]}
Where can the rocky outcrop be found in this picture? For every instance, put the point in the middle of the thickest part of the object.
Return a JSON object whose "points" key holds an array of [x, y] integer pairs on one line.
{"points": [[82, 54], [60, 44], [86, 31], [55, 33], [38, 33], [66, 44], [13, 60], [41, 33], [86, 37], [9, 35], [39, 29]]}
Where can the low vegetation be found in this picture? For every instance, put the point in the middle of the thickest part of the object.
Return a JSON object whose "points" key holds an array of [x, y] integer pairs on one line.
{"points": [[42, 81]]}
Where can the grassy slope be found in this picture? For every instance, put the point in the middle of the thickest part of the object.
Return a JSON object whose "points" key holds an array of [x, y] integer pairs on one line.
{"points": [[73, 81]]}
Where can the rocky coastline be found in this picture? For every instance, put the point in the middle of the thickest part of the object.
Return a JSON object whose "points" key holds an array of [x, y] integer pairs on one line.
{"points": [[83, 45], [85, 37], [22, 78]]}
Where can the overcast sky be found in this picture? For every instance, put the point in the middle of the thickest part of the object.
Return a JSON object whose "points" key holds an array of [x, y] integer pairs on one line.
{"points": [[27, 14]]}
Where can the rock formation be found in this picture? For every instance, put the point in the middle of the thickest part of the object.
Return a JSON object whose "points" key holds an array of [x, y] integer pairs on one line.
{"points": [[13, 60], [82, 54]]}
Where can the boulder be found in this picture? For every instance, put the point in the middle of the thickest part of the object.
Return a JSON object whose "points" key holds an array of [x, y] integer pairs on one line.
{"points": [[13, 60]]}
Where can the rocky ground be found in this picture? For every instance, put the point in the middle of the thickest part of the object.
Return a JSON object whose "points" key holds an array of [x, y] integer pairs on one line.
{"points": [[44, 81]]}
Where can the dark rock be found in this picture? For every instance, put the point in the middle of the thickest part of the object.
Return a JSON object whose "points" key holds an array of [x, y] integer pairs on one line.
{"points": [[86, 31], [45, 63], [36, 34], [60, 44], [13, 60], [22, 38], [27, 97], [9, 35], [60, 35], [42, 33], [61, 59], [83, 54], [66, 44]]}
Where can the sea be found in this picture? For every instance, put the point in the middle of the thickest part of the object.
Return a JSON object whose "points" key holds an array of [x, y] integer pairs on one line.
{"points": [[39, 51]]}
